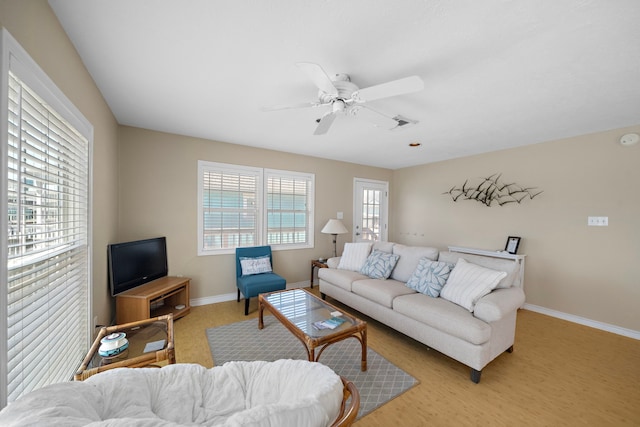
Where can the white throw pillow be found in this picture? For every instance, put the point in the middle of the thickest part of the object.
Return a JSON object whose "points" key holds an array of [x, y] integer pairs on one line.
{"points": [[469, 282], [354, 256], [255, 265]]}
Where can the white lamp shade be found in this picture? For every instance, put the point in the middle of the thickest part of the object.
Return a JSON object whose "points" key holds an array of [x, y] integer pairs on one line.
{"points": [[334, 226]]}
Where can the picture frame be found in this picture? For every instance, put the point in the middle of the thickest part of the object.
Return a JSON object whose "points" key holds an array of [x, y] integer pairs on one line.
{"points": [[512, 245]]}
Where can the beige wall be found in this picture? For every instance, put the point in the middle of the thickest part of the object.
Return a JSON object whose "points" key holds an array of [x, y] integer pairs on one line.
{"points": [[592, 272], [35, 27], [585, 271], [158, 197]]}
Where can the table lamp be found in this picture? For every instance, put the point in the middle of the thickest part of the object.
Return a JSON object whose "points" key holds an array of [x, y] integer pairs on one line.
{"points": [[334, 227]]}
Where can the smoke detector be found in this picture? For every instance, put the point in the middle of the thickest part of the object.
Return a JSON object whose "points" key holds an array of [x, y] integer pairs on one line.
{"points": [[629, 139]]}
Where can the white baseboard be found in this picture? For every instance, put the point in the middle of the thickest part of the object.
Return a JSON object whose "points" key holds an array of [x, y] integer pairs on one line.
{"points": [[584, 321], [233, 296], [212, 300]]}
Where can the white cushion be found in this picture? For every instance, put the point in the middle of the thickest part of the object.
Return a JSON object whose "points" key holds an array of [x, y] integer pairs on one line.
{"points": [[469, 282], [284, 393], [383, 246], [257, 265], [409, 259], [354, 256], [512, 268]]}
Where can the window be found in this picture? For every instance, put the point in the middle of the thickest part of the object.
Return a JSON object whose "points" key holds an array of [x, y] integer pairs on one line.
{"points": [[288, 204], [243, 206], [45, 234], [228, 201]]}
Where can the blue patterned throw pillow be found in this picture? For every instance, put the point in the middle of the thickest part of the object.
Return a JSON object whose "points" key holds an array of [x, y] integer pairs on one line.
{"points": [[379, 265], [429, 277]]}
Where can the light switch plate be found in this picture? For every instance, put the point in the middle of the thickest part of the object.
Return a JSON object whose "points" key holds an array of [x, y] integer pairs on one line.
{"points": [[598, 221]]}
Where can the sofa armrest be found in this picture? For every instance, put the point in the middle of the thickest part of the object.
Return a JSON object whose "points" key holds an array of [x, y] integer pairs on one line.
{"points": [[333, 262], [498, 303]]}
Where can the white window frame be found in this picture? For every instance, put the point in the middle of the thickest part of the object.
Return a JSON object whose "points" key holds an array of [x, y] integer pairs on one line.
{"points": [[309, 212], [223, 168], [15, 59], [261, 207]]}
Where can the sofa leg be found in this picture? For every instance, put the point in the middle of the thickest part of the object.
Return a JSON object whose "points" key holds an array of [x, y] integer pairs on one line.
{"points": [[238, 294], [246, 306], [324, 296], [510, 349], [475, 375]]}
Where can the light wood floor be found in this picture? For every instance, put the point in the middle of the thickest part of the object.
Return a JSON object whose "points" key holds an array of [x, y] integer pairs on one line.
{"points": [[560, 374]]}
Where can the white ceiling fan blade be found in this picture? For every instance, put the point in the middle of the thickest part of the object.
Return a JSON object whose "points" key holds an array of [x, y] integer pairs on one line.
{"points": [[292, 106], [392, 88], [373, 116], [325, 123], [318, 77]]}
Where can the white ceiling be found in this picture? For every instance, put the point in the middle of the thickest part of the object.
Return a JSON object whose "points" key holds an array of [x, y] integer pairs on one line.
{"points": [[497, 73]]}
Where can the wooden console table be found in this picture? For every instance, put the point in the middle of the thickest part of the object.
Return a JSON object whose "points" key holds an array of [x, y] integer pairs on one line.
{"points": [[156, 298]]}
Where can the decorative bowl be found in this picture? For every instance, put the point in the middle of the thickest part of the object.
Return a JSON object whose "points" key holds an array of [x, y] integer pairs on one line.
{"points": [[113, 344]]}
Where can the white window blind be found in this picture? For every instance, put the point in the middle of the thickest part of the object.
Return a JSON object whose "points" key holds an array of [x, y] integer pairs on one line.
{"points": [[230, 207], [288, 208], [47, 325], [241, 206]]}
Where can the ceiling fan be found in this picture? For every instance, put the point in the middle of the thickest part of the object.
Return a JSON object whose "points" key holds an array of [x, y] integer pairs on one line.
{"points": [[344, 97]]}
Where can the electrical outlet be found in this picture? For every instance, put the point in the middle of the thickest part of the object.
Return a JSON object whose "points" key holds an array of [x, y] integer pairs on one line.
{"points": [[598, 221]]}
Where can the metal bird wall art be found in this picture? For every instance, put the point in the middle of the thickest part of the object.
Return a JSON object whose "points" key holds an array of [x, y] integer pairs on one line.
{"points": [[491, 190]]}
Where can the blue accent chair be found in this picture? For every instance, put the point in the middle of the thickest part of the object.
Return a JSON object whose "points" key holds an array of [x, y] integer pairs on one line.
{"points": [[255, 284]]}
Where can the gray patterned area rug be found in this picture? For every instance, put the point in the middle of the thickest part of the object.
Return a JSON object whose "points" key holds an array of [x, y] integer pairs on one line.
{"points": [[244, 341]]}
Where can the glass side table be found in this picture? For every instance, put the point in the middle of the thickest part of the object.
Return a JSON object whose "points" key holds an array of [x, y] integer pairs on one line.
{"points": [[150, 341]]}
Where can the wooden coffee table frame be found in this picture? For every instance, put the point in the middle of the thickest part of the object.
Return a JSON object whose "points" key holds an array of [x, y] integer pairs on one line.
{"points": [[357, 330]]}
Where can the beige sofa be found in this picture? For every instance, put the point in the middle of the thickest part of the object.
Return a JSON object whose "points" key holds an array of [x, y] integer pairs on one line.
{"points": [[473, 336]]}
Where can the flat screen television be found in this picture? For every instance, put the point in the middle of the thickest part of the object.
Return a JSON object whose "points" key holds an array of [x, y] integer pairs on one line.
{"points": [[135, 263]]}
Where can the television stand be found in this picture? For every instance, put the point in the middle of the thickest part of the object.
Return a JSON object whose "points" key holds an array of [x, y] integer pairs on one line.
{"points": [[156, 298]]}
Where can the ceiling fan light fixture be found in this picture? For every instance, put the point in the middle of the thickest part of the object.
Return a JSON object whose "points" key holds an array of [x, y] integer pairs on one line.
{"points": [[338, 106]]}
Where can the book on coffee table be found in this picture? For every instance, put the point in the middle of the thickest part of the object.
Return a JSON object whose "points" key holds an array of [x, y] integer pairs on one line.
{"points": [[332, 323]]}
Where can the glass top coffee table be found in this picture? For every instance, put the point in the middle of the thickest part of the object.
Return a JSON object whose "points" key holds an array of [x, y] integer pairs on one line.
{"points": [[316, 323]]}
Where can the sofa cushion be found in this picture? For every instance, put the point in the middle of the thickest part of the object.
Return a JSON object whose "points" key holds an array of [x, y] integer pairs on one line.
{"points": [[512, 268], [409, 259], [259, 394], [354, 256], [382, 292], [429, 277], [379, 265], [341, 278], [469, 282], [383, 246], [444, 316]]}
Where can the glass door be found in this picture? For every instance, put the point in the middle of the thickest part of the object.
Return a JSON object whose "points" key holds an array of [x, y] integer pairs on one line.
{"points": [[370, 210]]}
